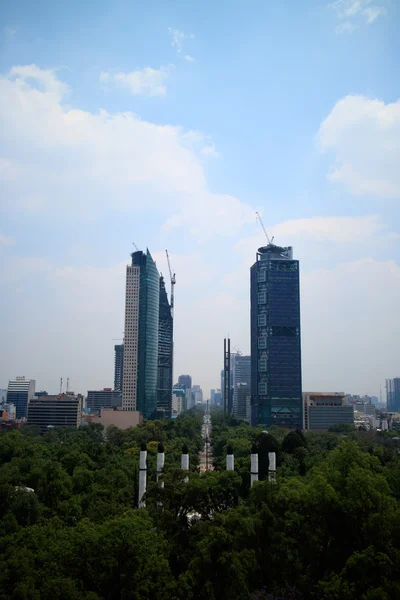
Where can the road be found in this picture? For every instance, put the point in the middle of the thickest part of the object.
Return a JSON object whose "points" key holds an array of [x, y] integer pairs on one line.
{"points": [[206, 453]]}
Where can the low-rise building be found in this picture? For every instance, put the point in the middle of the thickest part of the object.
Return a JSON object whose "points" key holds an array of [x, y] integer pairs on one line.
{"points": [[105, 398], [123, 419], [323, 409], [63, 410]]}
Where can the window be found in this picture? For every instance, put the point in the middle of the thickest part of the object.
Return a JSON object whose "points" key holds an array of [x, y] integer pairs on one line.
{"points": [[261, 275], [262, 298], [262, 364], [262, 388], [262, 342], [262, 320]]}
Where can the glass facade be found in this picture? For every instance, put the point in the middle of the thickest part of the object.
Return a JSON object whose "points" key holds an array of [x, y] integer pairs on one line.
{"points": [[275, 338], [393, 394], [165, 355], [146, 399]]}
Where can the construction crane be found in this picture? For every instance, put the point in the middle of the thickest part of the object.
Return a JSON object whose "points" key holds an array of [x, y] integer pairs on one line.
{"points": [[134, 245], [265, 231], [173, 281]]}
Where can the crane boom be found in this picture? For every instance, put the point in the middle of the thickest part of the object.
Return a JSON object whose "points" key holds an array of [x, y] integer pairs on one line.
{"points": [[173, 281], [265, 231]]}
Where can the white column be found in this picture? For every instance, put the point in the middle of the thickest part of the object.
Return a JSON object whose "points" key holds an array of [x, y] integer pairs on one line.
{"points": [[230, 460], [272, 466], [160, 462], [254, 465], [142, 475], [185, 461]]}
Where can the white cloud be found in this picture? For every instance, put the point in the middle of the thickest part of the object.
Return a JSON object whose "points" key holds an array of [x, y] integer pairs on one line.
{"points": [[355, 13], [177, 41], [5, 240], [364, 136], [143, 82], [83, 163]]}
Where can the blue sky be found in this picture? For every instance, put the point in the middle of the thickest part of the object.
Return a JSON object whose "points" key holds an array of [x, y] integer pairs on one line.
{"points": [[169, 124]]}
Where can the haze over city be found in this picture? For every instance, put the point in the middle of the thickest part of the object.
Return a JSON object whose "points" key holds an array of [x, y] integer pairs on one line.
{"points": [[169, 126]]}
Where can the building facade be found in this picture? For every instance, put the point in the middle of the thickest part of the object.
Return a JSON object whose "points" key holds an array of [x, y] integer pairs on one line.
{"points": [[64, 410], [20, 392], [140, 365], [275, 338], [106, 398], [185, 381], [242, 407], [118, 367], [241, 373], [323, 409], [165, 354], [393, 394]]}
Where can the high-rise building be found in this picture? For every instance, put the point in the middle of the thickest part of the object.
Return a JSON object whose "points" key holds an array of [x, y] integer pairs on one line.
{"points": [[241, 373], [185, 381], [106, 398], [118, 367], [165, 354], [20, 391], [139, 390], [64, 410], [275, 338], [393, 394], [242, 408]]}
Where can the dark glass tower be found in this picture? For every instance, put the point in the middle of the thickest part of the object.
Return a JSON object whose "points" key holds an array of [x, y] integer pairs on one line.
{"points": [[118, 367], [275, 338], [165, 355]]}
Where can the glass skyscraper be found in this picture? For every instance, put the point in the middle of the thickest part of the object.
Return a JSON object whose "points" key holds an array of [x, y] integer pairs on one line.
{"points": [[165, 354], [140, 368], [275, 338]]}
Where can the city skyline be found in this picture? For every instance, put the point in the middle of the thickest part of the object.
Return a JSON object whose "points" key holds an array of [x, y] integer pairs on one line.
{"points": [[294, 114]]}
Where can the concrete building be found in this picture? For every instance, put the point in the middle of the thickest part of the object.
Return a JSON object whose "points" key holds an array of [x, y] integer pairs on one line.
{"points": [[242, 408], [198, 394], [106, 398], [123, 419], [20, 392], [275, 338], [393, 394], [118, 367], [140, 370], [63, 410], [185, 381], [323, 409], [179, 403], [165, 354]]}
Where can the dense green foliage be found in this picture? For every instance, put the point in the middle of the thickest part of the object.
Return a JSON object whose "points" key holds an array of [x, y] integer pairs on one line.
{"points": [[329, 528]]}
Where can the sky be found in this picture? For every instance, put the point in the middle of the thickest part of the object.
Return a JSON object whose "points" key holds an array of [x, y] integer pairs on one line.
{"points": [[168, 124]]}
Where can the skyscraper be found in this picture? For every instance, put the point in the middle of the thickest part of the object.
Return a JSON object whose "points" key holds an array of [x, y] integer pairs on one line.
{"points": [[241, 373], [275, 338], [139, 390], [185, 381], [20, 392], [393, 394], [118, 367], [165, 354]]}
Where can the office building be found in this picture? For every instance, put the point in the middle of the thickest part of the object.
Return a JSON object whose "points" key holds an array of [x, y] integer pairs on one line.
{"points": [[63, 410], [165, 354], [179, 403], [106, 398], [197, 393], [275, 338], [242, 408], [3, 397], [323, 409], [393, 394], [20, 392], [123, 419], [118, 366], [185, 381], [241, 373], [140, 370]]}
